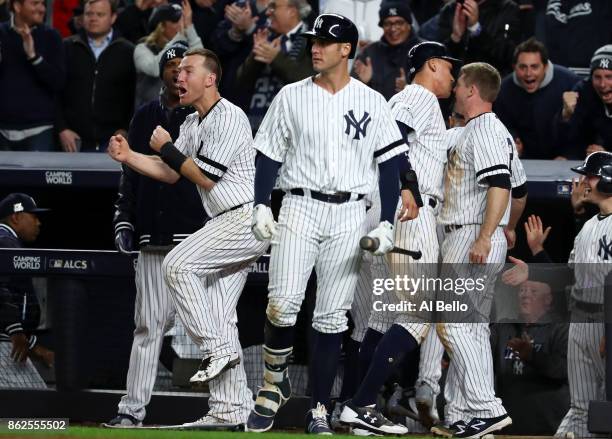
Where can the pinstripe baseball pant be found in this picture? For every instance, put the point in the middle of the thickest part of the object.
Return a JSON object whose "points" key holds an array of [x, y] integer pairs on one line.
{"points": [[206, 274], [323, 236], [153, 317], [470, 377], [585, 371], [420, 234]]}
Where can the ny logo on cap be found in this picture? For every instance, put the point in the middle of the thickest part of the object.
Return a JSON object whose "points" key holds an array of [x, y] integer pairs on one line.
{"points": [[171, 54], [604, 63], [393, 11], [318, 23], [360, 127], [18, 207]]}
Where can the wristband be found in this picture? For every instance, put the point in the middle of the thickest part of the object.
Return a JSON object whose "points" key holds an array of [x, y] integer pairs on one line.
{"points": [[172, 156], [410, 182]]}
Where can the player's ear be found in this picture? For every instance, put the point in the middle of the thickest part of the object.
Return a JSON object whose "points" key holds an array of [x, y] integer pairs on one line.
{"points": [[13, 220], [431, 63], [345, 49], [472, 90], [211, 80]]}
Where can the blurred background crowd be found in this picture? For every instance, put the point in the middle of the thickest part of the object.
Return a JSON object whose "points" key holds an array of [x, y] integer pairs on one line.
{"points": [[72, 72]]}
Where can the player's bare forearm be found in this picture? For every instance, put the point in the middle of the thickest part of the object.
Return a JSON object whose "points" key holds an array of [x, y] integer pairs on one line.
{"points": [[193, 173], [517, 206], [497, 201], [151, 166]]}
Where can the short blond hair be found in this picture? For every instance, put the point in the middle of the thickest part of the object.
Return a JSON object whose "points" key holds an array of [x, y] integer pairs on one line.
{"points": [[484, 77], [211, 61]]}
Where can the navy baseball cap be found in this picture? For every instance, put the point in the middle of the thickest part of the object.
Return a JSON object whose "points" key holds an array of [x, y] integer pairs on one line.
{"points": [[170, 12], [335, 27], [594, 163], [17, 202], [423, 52], [177, 50], [395, 9]]}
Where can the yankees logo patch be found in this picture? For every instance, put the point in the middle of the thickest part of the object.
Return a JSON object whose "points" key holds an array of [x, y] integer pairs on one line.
{"points": [[605, 248], [604, 63], [360, 126], [170, 54]]}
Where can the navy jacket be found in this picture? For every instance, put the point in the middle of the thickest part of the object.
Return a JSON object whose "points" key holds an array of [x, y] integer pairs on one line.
{"points": [[531, 116], [161, 214], [535, 392], [575, 29], [99, 96], [28, 89], [19, 308], [591, 123]]}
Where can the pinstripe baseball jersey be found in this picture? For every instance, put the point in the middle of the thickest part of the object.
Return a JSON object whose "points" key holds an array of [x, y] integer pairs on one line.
{"points": [[418, 108], [329, 142], [591, 258], [484, 148], [452, 138], [220, 144]]}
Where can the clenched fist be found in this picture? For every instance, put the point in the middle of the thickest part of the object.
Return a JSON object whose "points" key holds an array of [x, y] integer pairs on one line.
{"points": [[119, 149], [159, 138]]}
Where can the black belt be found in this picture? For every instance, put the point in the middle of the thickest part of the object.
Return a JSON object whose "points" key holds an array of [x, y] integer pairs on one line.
{"points": [[452, 227], [336, 198], [588, 307], [234, 208]]}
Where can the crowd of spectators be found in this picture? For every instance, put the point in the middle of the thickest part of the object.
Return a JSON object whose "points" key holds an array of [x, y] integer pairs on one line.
{"points": [[73, 95]]}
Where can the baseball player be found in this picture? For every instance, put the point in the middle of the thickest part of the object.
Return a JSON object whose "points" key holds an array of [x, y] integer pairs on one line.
{"points": [[427, 386], [480, 164], [418, 115], [163, 215], [482, 169], [207, 271], [590, 260], [327, 134]]}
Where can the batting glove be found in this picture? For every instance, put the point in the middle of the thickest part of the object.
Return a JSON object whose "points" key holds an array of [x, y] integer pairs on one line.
{"points": [[124, 241], [263, 224], [384, 233]]}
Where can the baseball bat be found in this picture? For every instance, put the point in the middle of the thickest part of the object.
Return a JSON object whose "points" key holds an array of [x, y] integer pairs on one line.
{"points": [[370, 244]]}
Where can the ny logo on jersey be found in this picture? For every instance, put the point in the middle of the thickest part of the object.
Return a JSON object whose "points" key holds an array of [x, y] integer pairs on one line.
{"points": [[605, 248], [360, 127], [517, 367]]}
